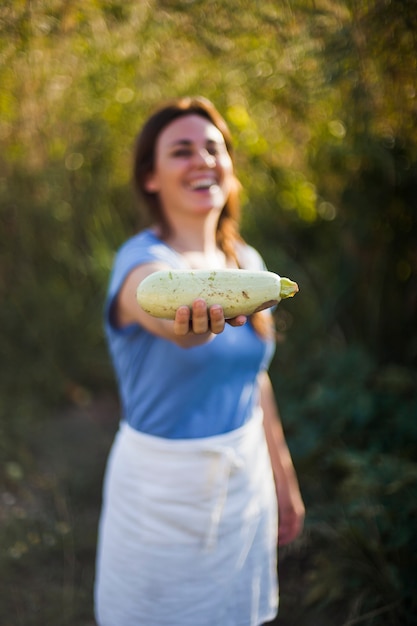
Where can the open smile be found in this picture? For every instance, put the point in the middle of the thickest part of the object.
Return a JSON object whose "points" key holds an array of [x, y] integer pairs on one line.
{"points": [[202, 184]]}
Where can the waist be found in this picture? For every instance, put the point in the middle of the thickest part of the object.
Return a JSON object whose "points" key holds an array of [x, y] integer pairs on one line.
{"points": [[151, 445]]}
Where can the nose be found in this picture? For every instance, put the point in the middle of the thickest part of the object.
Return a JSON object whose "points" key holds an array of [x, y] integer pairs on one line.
{"points": [[205, 158]]}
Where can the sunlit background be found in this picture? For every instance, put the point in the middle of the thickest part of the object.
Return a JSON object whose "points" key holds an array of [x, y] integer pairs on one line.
{"points": [[321, 100]]}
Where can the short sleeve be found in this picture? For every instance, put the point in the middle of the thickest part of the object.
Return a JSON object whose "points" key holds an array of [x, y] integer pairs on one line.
{"points": [[138, 250]]}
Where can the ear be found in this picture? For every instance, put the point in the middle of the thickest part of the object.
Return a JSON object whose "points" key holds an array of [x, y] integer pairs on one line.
{"points": [[151, 183]]}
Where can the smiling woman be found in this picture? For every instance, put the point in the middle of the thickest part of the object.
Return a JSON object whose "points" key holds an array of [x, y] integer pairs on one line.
{"points": [[193, 169], [188, 530]]}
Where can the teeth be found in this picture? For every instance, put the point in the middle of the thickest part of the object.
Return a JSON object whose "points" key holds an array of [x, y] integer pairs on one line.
{"points": [[202, 183]]}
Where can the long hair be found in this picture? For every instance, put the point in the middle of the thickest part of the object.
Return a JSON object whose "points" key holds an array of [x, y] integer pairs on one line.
{"points": [[227, 235]]}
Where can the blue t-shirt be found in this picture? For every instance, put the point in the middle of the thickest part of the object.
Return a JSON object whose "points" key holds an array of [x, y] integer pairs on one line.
{"points": [[178, 393]]}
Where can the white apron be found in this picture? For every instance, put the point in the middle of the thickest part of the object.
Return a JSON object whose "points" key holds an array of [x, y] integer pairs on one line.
{"points": [[188, 531]]}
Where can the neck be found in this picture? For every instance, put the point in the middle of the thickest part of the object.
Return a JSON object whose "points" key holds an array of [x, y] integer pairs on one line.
{"points": [[197, 246], [194, 236]]}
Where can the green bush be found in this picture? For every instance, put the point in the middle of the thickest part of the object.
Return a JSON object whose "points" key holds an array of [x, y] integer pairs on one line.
{"points": [[352, 432]]}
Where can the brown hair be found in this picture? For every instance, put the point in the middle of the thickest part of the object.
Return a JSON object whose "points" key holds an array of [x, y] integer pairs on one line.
{"points": [[228, 235]]}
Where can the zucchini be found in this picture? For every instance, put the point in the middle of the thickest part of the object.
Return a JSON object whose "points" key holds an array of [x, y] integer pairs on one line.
{"points": [[239, 292]]}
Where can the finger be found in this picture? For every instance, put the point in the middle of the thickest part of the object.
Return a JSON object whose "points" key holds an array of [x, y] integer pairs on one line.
{"points": [[240, 320], [200, 322], [217, 320], [288, 531], [182, 320]]}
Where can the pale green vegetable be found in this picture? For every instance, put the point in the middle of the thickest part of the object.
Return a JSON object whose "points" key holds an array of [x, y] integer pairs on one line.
{"points": [[239, 292]]}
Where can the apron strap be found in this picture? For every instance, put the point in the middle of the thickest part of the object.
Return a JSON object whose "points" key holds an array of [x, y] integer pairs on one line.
{"points": [[229, 460]]}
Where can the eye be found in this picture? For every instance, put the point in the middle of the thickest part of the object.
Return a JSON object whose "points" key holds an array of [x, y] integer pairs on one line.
{"points": [[216, 149], [213, 150], [182, 152]]}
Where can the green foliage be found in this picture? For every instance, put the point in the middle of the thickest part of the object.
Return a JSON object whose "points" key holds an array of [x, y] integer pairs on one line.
{"points": [[321, 99], [353, 435]]}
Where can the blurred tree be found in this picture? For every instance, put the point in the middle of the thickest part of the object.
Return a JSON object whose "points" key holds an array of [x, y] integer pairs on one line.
{"points": [[366, 167]]}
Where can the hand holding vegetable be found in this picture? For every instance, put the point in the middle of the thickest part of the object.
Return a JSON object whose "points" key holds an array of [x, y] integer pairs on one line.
{"points": [[236, 292], [200, 319]]}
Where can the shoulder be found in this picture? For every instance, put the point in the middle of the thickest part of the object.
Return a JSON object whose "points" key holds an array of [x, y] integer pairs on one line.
{"points": [[143, 242], [249, 257], [142, 249], [145, 247]]}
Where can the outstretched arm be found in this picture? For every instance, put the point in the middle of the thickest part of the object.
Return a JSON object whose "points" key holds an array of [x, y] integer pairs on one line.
{"points": [[190, 328], [290, 503]]}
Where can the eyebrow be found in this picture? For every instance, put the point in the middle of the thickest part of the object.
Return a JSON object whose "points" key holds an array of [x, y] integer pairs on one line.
{"points": [[189, 142]]}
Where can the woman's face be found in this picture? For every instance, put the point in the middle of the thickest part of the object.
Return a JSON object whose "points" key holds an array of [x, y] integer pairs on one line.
{"points": [[193, 171]]}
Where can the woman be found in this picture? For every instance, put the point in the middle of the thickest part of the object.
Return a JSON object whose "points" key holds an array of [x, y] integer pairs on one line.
{"points": [[188, 529]]}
